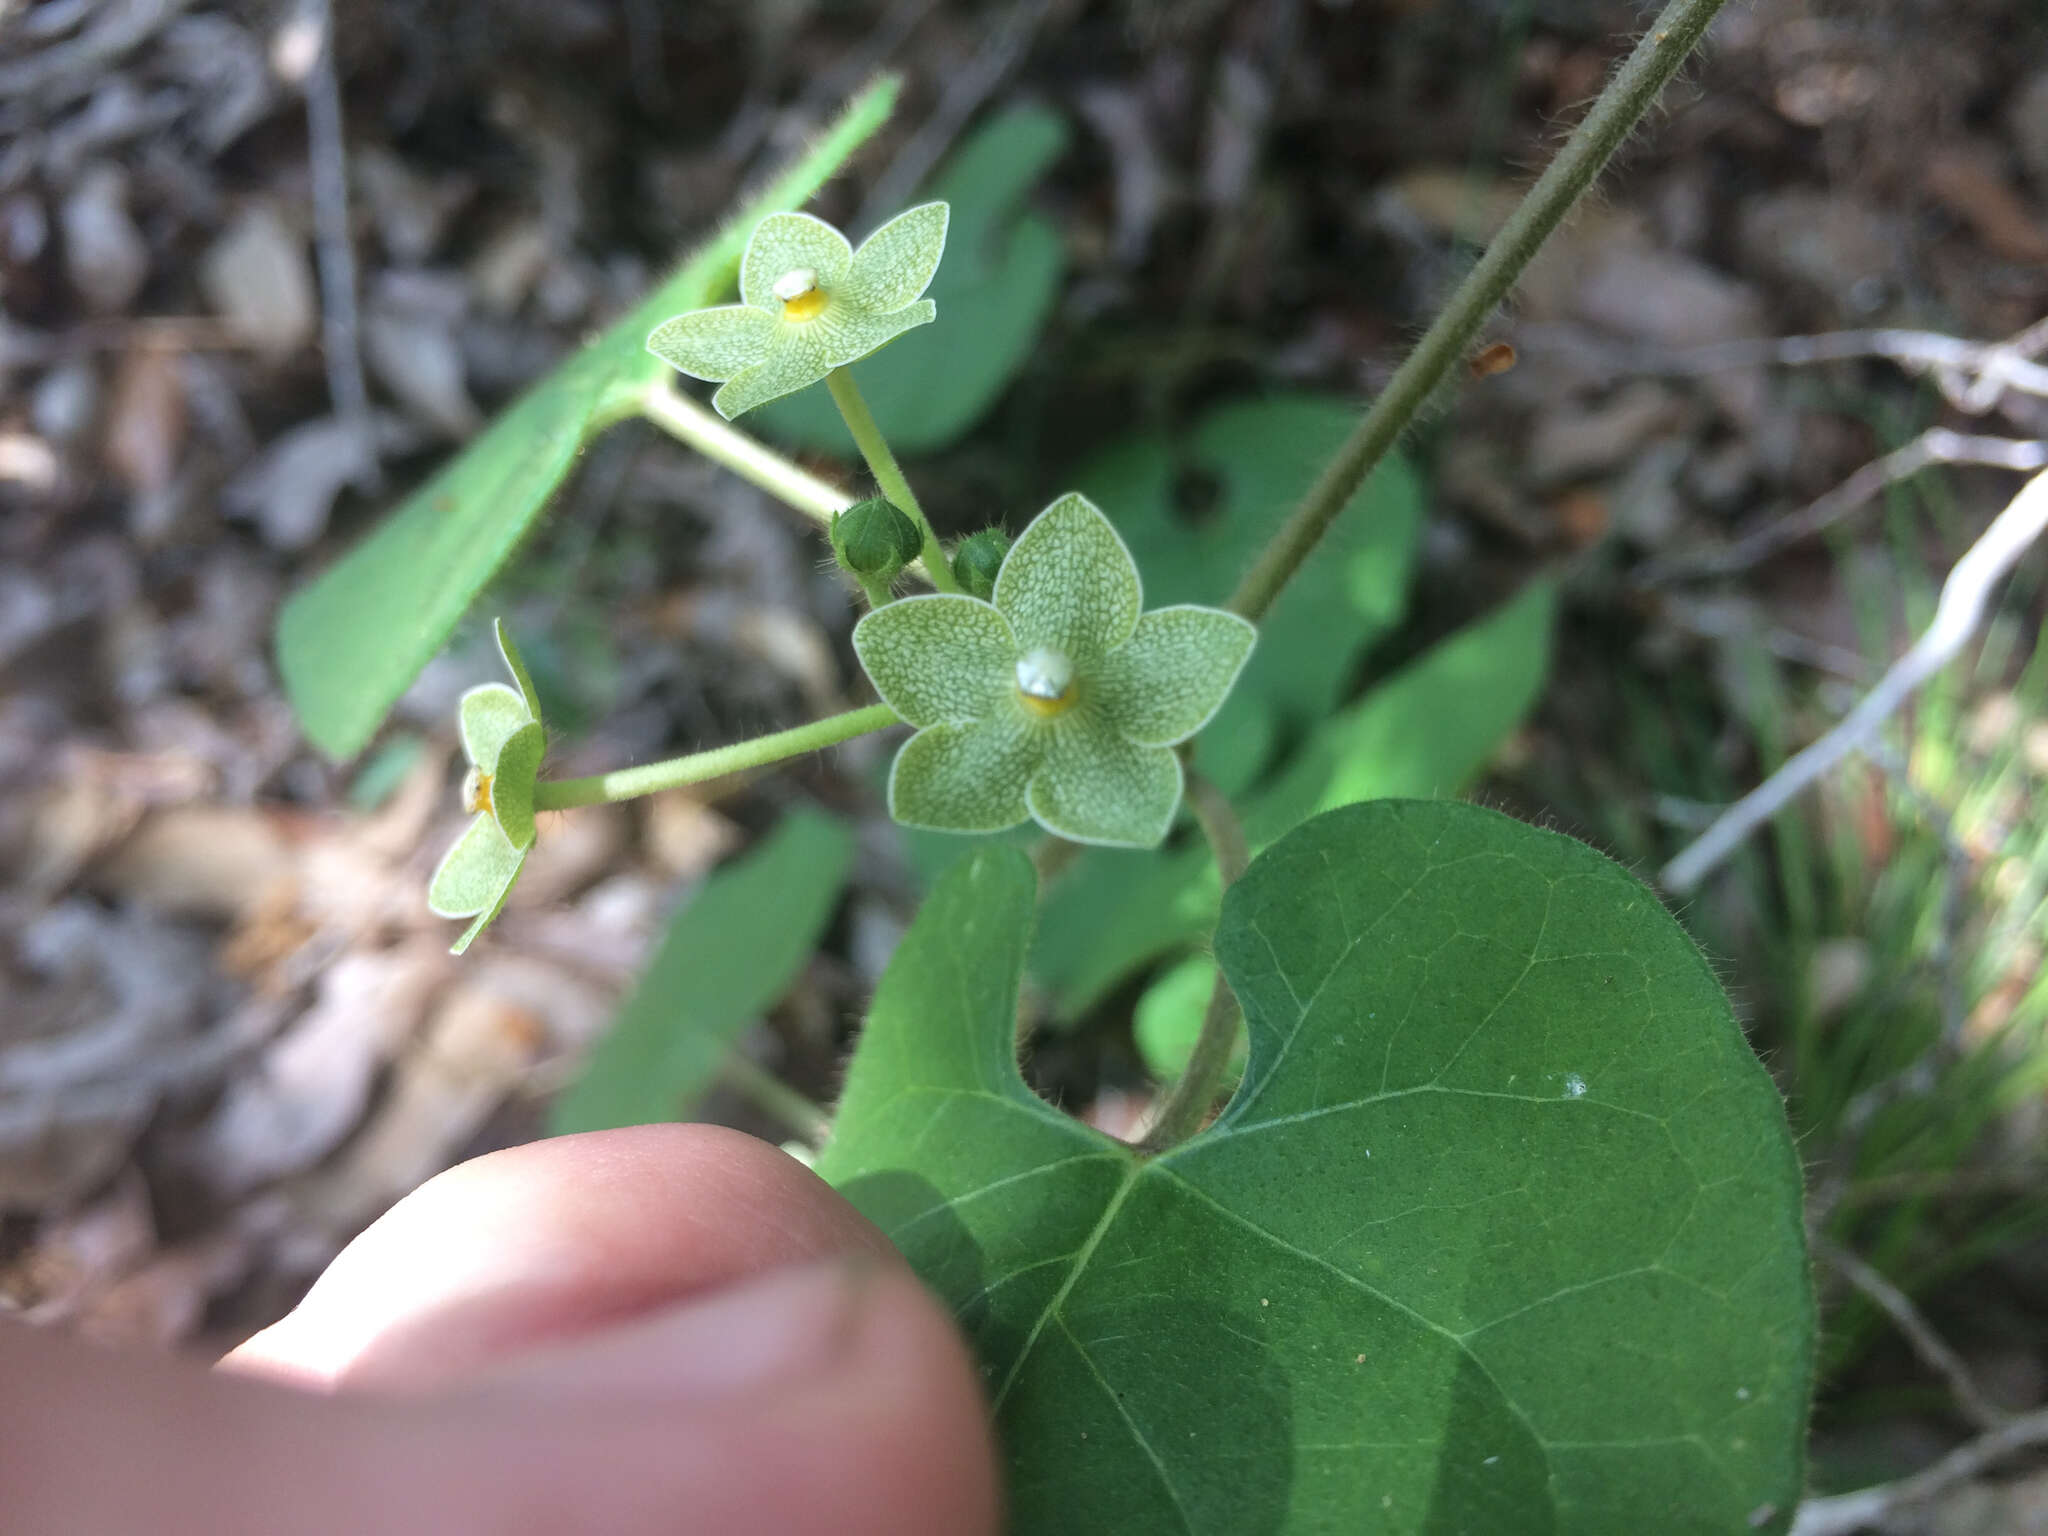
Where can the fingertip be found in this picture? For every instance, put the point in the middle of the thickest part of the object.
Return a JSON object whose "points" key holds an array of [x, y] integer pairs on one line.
{"points": [[872, 1423], [548, 1240]]}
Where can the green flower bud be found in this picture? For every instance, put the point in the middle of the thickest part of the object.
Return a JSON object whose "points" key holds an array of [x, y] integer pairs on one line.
{"points": [[874, 540], [977, 560]]}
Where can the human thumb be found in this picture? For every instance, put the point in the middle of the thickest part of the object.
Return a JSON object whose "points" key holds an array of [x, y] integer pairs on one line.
{"points": [[834, 1398]]}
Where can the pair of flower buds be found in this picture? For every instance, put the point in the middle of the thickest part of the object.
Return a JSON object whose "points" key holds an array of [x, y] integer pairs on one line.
{"points": [[1042, 691]]}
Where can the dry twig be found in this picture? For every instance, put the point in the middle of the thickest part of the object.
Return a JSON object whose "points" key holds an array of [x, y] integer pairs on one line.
{"points": [[1972, 375], [1964, 597], [334, 251], [1008, 42], [1879, 1508], [1937, 445], [1932, 1349]]}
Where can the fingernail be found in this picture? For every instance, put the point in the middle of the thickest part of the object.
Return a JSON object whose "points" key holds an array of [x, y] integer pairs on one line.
{"points": [[775, 1328]]}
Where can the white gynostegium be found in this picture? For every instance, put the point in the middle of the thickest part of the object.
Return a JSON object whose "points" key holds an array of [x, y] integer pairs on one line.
{"points": [[1059, 700]]}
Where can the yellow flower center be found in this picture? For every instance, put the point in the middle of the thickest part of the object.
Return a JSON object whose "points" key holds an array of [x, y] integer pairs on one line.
{"points": [[802, 298], [476, 791], [1045, 682]]}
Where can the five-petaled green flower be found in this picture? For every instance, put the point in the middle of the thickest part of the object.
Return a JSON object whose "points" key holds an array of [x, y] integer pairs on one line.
{"points": [[1057, 701], [810, 303], [504, 740]]}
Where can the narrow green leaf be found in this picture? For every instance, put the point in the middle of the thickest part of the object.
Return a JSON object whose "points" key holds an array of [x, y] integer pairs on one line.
{"points": [[728, 954], [994, 290], [1502, 1231], [377, 780], [350, 643], [1424, 731]]}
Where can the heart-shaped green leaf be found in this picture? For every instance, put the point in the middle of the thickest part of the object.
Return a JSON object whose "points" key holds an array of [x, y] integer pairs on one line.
{"points": [[350, 643], [993, 291], [1502, 1231]]}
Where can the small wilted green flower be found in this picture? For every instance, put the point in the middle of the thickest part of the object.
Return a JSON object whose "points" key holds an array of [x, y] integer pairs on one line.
{"points": [[809, 303], [1058, 701], [503, 738]]}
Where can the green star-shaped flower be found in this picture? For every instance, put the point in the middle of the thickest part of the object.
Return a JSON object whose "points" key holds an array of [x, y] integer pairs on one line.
{"points": [[1058, 701], [809, 303], [503, 739]]}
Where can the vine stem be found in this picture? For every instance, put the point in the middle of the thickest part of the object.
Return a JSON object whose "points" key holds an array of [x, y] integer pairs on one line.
{"points": [[776, 1099], [748, 457], [753, 461], [867, 437], [629, 783], [1188, 1105], [1628, 96]]}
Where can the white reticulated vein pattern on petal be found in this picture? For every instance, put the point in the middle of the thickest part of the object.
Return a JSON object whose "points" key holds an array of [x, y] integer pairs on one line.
{"points": [[941, 658], [1096, 786], [789, 242], [1069, 582], [966, 778], [1168, 680]]}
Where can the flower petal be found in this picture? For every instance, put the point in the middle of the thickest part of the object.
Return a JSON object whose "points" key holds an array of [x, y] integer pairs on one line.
{"points": [[489, 713], [785, 242], [799, 354], [965, 778], [1069, 583], [1093, 786], [485, 918], [1166, 682], [756, 386], [473, 872], [516, 665], [895, 264], [512, 783], [714, 343], [942, 657], [854, 335]]}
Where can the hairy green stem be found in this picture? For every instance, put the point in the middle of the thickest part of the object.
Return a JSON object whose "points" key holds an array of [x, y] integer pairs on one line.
{"points": [[1630, 94], [878, 593], [1217, 818], [629, 783], [776, 1099], [754, 462], [1187, 1106], [749, 458], [867, 437]]}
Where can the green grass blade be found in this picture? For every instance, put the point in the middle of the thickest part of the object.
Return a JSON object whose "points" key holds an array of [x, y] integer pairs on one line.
{"points": [[729, 953]]}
